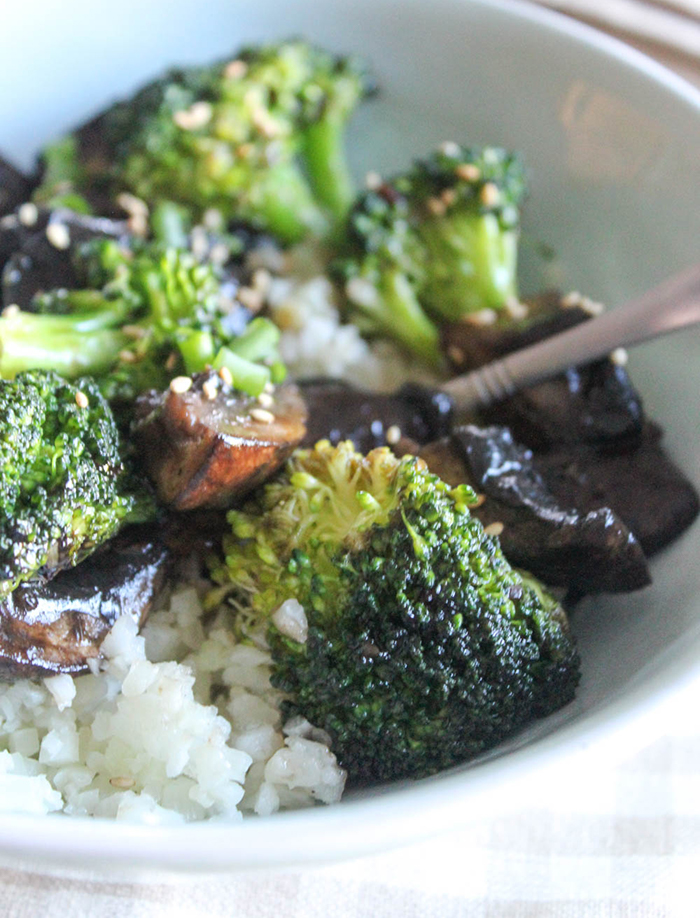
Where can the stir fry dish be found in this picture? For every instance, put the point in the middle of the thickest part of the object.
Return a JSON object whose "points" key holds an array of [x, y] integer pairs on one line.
{"points": [[250, 552]]}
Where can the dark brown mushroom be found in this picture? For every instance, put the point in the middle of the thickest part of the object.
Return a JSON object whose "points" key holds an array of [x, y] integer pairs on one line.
{"points": [[205, 445], [58, 627], [587, 550]]}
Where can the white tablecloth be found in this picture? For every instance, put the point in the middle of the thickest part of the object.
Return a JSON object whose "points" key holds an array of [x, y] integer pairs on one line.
{"points": [[624, 843]]}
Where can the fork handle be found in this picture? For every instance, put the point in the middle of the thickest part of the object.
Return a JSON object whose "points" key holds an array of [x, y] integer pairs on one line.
{"points": [[672, 305]]}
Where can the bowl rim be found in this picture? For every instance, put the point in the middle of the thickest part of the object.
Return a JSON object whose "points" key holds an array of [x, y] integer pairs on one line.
{"points": [[392, 816]]}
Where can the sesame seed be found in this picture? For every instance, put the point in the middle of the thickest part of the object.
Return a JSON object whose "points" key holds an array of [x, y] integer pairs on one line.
{"points": [[134, 206], [11, 310], [127, 356], [235, 70], [58, 235], [450, 148], [490, 195], [262, 416], [180, 384], [265, 123], [122, 783], [468, 172], [134, 331], [196, 116], [482, 317], [212, 218], [250, 298], [226, 376], [494, 529], [479, 502], [269, 388], [220, 253], [28, 213], [571, 299], [619, 357], [261, 281], [199, 243], [171, 362], [361, 292], [373, 180], [210, 389], [456, 354], [436, 207], [516, 309], [265, 400], [448, 197], [592, 307], [393, 435], [81, 399], [137, 224]]}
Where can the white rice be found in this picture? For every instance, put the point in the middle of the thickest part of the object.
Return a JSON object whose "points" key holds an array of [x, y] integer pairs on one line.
{"points": [[315, 340], [180, 723]]}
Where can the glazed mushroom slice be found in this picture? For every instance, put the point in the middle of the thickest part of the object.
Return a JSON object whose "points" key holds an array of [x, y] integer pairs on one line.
{"points": [[339, 411], [37, 248], [643, 486], [58, 627], [204, 444], [587, 550]]}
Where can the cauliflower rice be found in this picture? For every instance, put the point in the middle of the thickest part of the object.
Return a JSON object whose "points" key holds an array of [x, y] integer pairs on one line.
{"points": [[180, 722]]}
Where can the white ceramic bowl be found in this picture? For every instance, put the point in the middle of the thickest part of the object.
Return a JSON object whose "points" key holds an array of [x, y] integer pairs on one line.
{"points": [[611, 140]]}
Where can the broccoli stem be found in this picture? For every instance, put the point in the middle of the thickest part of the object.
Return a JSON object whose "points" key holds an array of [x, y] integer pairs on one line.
{"points": [[72, 345], [284, 201], [170, 224], [249, 377], [405, 320], [258, 340], [473, 265], [323, 151]]}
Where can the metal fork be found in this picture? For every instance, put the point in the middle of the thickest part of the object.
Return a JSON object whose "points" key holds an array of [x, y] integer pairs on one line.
{"points": [[672, 305]]}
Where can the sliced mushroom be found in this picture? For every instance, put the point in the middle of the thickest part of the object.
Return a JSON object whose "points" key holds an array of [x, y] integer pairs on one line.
{"points": [[339, 411], [585, 549], [38, 256], [208, 445], [58, 627]]}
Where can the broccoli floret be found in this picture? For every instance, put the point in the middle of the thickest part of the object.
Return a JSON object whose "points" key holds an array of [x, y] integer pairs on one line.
{"points": [[424, 646], [64, 488], [259, 138], [435, 244], [146, 315]]}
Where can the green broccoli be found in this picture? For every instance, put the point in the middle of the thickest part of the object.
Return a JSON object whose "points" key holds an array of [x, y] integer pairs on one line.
{"points": [[259, 138], [435, 244], [146, 315], [424, 647], [64, 488]]}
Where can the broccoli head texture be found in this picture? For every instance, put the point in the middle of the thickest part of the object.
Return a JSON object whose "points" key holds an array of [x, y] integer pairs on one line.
{"points": [[147, 313], [64, 488], [424, 646], [260, 138], [437, 243]]}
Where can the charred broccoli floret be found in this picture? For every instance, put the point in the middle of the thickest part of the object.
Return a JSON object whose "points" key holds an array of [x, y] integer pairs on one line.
{"points": [[146, 315], [434, 244], [64, 488], [259, 138], [418, 646]]}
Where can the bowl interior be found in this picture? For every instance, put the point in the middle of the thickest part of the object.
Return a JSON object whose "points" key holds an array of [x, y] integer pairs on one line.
{"points": [[610, 140]]}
